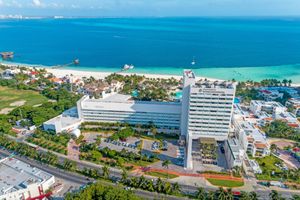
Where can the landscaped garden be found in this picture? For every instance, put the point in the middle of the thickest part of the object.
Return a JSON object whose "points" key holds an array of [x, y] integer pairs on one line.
{"points": [[225, 183], [161, 175], [54, 142]]}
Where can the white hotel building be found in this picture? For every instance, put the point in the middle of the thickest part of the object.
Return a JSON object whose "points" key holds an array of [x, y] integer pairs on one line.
{"points": [[207, 108], [205, 111], [120, 108]]}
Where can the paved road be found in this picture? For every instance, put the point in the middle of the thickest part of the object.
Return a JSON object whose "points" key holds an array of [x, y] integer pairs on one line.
{"points": [[79, 179], [188, 189]]}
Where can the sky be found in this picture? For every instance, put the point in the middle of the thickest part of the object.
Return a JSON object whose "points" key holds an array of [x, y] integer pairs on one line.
{"points": [[151, 7]]}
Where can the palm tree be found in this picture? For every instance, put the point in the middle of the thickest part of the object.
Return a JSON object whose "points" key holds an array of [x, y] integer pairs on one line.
{"points": [[253, 196], [244, 196], [229, 194], [154, 131], [159, 185], [274, 195], [273, 147], [175, 188], [296, 197], [166, 164], [221, 194], [150, 186], [124, 175], [211, 195], [105, 172], [201, 194]]}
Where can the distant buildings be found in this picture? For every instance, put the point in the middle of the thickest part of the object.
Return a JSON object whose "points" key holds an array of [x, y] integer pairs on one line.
{"points": [[21, 181], [294, 103], [101, 89], [206, 111], [272, 110], [273, 93]]}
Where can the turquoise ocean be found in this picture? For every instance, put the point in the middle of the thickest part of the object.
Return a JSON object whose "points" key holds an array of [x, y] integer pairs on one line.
{"points": [[225, 48]]}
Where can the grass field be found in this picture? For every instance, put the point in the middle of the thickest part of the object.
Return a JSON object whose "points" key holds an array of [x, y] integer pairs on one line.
{"points": [[161, 175], [267, 164], [225, 183], [12, 98]]}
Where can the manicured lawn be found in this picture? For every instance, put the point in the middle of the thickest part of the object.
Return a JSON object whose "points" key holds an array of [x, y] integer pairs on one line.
{"points": [[268, 163], [161, 175], [225, 183], [12, 98]]}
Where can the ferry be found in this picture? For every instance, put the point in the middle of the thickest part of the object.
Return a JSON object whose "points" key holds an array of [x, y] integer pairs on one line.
{"points": [[127, 67]]}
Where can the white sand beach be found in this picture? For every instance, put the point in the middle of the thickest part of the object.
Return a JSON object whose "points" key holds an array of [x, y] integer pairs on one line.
{"points": [[101, 75]]}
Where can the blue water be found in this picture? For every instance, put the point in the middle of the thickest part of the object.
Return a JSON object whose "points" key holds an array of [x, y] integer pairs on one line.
{"points": [[161, 45], [178, 95]]}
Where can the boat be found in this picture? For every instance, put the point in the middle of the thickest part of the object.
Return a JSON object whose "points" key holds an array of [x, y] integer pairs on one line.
{"points": [[193, 62], [76, 61], [127, 67], [7, 55]]}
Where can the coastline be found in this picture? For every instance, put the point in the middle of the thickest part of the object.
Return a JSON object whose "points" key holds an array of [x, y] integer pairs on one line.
{"points": [[238, 73], [77, 73]]}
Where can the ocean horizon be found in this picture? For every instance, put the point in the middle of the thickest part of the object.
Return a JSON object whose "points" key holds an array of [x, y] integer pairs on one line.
{"points": [[224, 48]]}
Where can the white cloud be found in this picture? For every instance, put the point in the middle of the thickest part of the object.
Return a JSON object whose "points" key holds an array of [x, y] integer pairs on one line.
{"points": [[37, 3], [74, 6]]}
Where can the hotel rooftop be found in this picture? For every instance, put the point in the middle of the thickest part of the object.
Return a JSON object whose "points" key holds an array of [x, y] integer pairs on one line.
{"points": [[124, 103], [16, 175]]}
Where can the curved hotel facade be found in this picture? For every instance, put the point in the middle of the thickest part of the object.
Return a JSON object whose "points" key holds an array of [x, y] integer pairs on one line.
{"points": [[119, 108]]}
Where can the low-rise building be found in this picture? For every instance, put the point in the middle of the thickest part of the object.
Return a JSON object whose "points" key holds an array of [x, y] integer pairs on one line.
{"points": [[295, 104], [270, 95], [66, 122], [272, 110], [250, 137], [234, 153], [255, 167], [19, 180]]}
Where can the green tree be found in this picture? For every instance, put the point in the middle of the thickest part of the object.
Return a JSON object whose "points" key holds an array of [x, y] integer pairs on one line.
{"points": [[166, 164], [105, 172], [124, 175], [201, 194], [253, 196]]}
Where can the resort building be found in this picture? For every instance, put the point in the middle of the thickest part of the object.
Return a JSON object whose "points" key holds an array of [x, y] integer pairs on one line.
{"points": [[272, 110], [121, 108], [206, 111], [21, 181], [203, 117], [250, 138]]}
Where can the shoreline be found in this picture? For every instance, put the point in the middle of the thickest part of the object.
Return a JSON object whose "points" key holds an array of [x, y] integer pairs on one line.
{"points": [[77, 73], [239, 74]]}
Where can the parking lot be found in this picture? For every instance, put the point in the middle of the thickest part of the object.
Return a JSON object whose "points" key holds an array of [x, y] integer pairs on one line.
{"points": [[91, 137], [130, 145]]}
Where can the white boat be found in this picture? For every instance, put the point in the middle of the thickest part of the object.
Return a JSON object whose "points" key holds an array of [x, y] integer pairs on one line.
{"points": [[127, 67], [193, 62]]}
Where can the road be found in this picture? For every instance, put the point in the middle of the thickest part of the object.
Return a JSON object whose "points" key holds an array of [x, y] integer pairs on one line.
{"points": [[116, 173], [81, 180]]}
